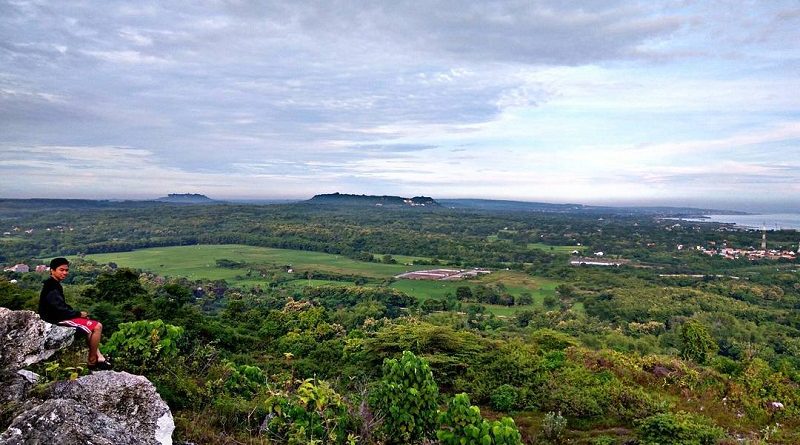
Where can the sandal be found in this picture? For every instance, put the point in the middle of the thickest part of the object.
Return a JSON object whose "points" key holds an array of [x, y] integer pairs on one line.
{"points": [[101, 366]]}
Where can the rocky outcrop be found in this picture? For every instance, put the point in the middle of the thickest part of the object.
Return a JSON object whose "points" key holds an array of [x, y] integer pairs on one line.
{"points": [[106, 407], [25, 339], [65, 422], [127, 398], [102, 408]]}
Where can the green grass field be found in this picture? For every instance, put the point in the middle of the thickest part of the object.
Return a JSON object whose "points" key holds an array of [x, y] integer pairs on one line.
{"points": [[199, 262], [515, 283], [555, 249]]}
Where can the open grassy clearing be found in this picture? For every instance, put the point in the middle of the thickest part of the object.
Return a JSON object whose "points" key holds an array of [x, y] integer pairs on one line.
{"points": [[299, 284], [425, 289], [555, 249], [515, 283], [10, 240], [404, 259], [199, 262]]}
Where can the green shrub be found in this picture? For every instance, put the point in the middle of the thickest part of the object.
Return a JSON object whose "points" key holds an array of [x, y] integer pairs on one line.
{"points": [[406, 398], [604, 440], [696, 342], [550, 340], [678, 429], [243, 380], [462, 424], [727, 365], [505, 398], [144, 346], [505, 432], [313, 413]]}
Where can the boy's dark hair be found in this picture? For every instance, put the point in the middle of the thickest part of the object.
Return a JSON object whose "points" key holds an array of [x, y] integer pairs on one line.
{"points": [[55, 262]]}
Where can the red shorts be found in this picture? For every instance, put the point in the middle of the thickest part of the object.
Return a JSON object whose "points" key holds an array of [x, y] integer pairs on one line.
{"points": [[85, 324]]}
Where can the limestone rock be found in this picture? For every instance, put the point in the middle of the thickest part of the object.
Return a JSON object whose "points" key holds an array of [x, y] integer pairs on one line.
{"points": [[25, 339], [14, 386], [101, 408], [129, 399], [65, 422]]}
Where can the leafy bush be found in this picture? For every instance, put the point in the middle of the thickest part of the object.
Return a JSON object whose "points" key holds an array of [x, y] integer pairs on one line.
{"points": [[243, 380], [604, 440], [505, 398], [313, 413], [462, 423], [550, 340], [406, 398], [678, 429], [696, 342], [143, 346]]}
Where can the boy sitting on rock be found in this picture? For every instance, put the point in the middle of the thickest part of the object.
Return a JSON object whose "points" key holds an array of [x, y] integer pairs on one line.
{"points": [[54, 309]]}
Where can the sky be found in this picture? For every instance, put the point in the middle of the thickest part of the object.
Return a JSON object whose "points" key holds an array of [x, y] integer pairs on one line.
{"points": [[666, 102]]}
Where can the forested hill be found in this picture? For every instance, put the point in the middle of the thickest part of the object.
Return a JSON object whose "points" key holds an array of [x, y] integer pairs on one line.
{"points": [[372, 200], [186, 198]]}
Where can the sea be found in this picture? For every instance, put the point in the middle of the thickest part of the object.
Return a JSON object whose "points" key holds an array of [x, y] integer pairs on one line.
{"points": [[769, 221]]}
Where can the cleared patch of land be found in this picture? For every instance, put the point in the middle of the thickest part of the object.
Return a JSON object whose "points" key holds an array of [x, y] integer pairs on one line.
{"points": [[200, 262], [404, 259], [555, 249]]}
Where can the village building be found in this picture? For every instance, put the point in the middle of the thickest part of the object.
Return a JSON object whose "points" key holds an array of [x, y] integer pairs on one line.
{"points": [[588, 261], [19, 268]]}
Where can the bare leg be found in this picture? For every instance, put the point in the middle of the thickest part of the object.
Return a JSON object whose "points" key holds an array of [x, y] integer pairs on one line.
{"points": [[94, 343]]}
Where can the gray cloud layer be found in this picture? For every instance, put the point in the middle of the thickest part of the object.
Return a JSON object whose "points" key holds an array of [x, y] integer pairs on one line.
{"points": [[214, 86]]}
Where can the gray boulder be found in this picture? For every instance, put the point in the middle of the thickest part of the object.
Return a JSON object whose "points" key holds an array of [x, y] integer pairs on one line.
{"points": [[14, 386], [65, 422], [101, 408], [131, 400], [25, 339]]}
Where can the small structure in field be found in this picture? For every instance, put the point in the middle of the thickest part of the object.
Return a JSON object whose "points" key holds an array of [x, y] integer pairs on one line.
{"points": [[443, 274], [586, 261]]}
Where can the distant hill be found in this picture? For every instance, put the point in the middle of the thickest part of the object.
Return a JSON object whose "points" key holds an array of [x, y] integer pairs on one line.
{"points": [[186, 198], [372, 200], [501, 205]]}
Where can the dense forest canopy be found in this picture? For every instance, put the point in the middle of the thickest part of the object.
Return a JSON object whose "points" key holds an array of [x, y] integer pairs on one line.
{"points": [[674, 346]]}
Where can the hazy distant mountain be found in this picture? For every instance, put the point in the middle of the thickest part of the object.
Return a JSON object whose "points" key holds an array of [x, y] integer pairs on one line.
{"points": [[371, 200], [186, 198], [501, 205]]}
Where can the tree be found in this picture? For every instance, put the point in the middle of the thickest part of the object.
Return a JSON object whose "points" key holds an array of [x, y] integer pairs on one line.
{"points": [[696, 342], [119, 286], [463, 293], [524, 299], [171, 298]]}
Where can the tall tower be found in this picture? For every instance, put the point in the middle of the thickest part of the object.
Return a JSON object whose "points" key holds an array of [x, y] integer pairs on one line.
{"points": [[764, 238]]}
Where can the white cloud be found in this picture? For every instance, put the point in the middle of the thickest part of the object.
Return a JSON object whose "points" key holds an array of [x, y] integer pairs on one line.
{"points": [[126, 57], [507, 98]]}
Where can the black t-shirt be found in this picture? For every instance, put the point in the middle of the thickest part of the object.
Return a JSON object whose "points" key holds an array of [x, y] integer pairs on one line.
{"points": [[52, 306]]}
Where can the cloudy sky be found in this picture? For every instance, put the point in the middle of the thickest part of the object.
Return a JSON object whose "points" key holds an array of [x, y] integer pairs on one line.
{"points": [[599, 102]]}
